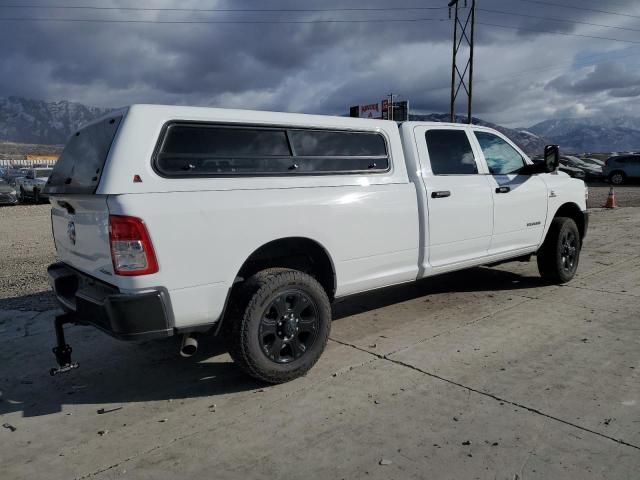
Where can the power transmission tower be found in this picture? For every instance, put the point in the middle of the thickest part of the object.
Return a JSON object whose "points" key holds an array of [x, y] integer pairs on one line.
{"points": [[462, 32]]}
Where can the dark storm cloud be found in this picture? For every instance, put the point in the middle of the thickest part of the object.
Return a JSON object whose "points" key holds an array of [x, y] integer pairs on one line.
{"points": [[611, 77], [320, 68]]}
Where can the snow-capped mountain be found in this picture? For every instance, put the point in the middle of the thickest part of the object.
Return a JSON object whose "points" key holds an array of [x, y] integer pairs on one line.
{"points": [[595, 134], [531, 143], [34, 121]]}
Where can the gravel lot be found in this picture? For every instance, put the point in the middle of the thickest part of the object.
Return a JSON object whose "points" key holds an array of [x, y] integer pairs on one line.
{"points": [[27, 249], [487, 373]]}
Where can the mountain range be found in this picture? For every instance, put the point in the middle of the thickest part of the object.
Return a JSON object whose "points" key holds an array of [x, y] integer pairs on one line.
{"points": [[37, 122]]}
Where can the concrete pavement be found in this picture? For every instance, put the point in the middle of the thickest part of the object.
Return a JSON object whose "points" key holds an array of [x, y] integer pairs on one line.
{"points": [[487, 373]]}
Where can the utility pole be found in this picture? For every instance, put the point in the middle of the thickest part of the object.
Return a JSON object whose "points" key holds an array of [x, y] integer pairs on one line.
{"points": [[462, 32], [390, 107]]}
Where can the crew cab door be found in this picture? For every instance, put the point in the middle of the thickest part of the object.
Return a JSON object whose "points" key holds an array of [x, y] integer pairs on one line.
{"points": [[519, 201], [458, 197]]}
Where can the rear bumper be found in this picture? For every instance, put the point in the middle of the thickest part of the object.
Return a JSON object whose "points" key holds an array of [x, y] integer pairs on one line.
{"points": [[139, 316]]}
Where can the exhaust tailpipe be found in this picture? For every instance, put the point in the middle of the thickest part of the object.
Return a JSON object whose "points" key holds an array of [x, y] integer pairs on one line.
{"points": [[189, 346]]}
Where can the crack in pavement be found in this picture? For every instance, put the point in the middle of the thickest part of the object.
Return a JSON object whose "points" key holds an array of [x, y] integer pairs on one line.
{"points": [[466, 324], [626, 294], [490, 395]]}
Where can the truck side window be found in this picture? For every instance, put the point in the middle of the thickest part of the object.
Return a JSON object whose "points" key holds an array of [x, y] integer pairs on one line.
{"points": [[502, 158], [450, 153]]}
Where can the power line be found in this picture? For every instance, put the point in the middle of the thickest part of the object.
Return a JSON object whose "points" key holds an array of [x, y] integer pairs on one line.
{"points": [[502, 12], [573, 7], [558, 33], [268, 22], [235, 10], [97, 20]]}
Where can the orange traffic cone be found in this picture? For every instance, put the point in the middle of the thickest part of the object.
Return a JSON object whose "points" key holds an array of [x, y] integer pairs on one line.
{"points": [[611, 199]]}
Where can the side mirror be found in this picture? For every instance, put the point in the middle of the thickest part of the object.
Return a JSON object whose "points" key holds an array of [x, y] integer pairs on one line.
{"points": [[551, 158]]}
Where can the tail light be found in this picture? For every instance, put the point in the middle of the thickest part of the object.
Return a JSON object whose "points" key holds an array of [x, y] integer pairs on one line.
{"points": [[131, 249]]}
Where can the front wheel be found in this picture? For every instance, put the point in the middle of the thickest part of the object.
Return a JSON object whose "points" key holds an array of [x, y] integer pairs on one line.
{"points": [[559, 255], [284, 325]]}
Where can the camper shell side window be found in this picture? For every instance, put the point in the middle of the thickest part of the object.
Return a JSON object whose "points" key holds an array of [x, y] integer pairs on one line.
{"points": [[194, 149]]}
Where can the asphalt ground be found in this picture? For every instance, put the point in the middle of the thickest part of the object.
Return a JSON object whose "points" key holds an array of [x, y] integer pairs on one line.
{"points": [[486, 373]]}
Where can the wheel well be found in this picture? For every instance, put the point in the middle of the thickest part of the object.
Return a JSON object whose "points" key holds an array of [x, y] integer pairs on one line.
{"points": [[296, 253], [573, 211]]}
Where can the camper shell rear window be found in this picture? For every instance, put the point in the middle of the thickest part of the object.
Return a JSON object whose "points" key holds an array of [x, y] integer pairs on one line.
{"points": [[80, 166], [210, 150]]}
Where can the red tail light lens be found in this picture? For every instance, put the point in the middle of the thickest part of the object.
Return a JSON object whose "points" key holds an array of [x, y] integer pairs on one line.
{"points": [[131, 248]]}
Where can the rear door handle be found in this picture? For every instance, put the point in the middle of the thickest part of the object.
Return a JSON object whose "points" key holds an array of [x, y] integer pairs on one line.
{"points": [[441, 194], [503, 189]]}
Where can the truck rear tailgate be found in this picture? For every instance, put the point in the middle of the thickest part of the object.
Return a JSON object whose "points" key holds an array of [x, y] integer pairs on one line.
{"points": [[80, 226]]}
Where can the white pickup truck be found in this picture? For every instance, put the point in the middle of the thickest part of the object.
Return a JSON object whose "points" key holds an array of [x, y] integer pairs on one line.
{"points": [[178, 220]]}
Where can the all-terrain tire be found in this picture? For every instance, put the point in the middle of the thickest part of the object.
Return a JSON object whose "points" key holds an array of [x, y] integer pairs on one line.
{"points": [[250, 305], [559, 255]]}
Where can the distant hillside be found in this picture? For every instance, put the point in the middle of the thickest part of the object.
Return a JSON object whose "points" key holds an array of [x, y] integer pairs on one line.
{"points": [[592, 134], [529, 142], [12, 150], [50, 123], [36, 122]]}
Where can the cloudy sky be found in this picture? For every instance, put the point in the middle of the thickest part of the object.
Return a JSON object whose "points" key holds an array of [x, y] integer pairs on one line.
{"points": [[522, 73]]}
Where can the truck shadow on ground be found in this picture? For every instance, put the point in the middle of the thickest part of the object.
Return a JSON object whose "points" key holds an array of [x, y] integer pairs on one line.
{"points": [[115, 373]]}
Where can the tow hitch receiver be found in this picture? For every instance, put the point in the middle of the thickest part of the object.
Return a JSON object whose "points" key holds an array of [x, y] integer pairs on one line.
{"points": [[62, 351]]}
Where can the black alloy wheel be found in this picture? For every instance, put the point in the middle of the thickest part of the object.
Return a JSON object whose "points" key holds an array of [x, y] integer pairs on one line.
{"points": [[289, 326], [568, 250]]}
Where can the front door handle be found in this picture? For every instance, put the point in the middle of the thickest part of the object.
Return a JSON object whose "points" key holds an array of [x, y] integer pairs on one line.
{"points": [[503, 189], [441, 194]]}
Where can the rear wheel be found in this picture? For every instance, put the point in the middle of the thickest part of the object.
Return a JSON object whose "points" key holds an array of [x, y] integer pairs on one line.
{"points": [[617, 178], [559, 255], [283, 325]]}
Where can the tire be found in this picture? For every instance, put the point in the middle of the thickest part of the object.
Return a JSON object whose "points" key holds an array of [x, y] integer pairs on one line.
{"points": [[560, 253], [21, 196], [617, 178], [281, 325], [36, 195]]}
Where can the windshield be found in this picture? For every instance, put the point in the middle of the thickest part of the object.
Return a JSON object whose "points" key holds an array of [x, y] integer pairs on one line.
{"points": [[43, 173], [80, 166]]}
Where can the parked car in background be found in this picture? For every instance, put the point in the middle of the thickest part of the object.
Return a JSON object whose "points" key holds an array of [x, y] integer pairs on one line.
{"points": [[619, 169], [593, 161], [10, 175], [573, 172], [31, 185], [7, 194], [592, 172]]}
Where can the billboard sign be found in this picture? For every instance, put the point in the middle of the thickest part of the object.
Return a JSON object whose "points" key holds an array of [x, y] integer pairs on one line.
{"points": [[370, 110], [382, 110]]}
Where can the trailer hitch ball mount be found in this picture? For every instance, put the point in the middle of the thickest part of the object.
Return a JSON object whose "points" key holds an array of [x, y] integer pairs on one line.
{"points": [[62, 350]]}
